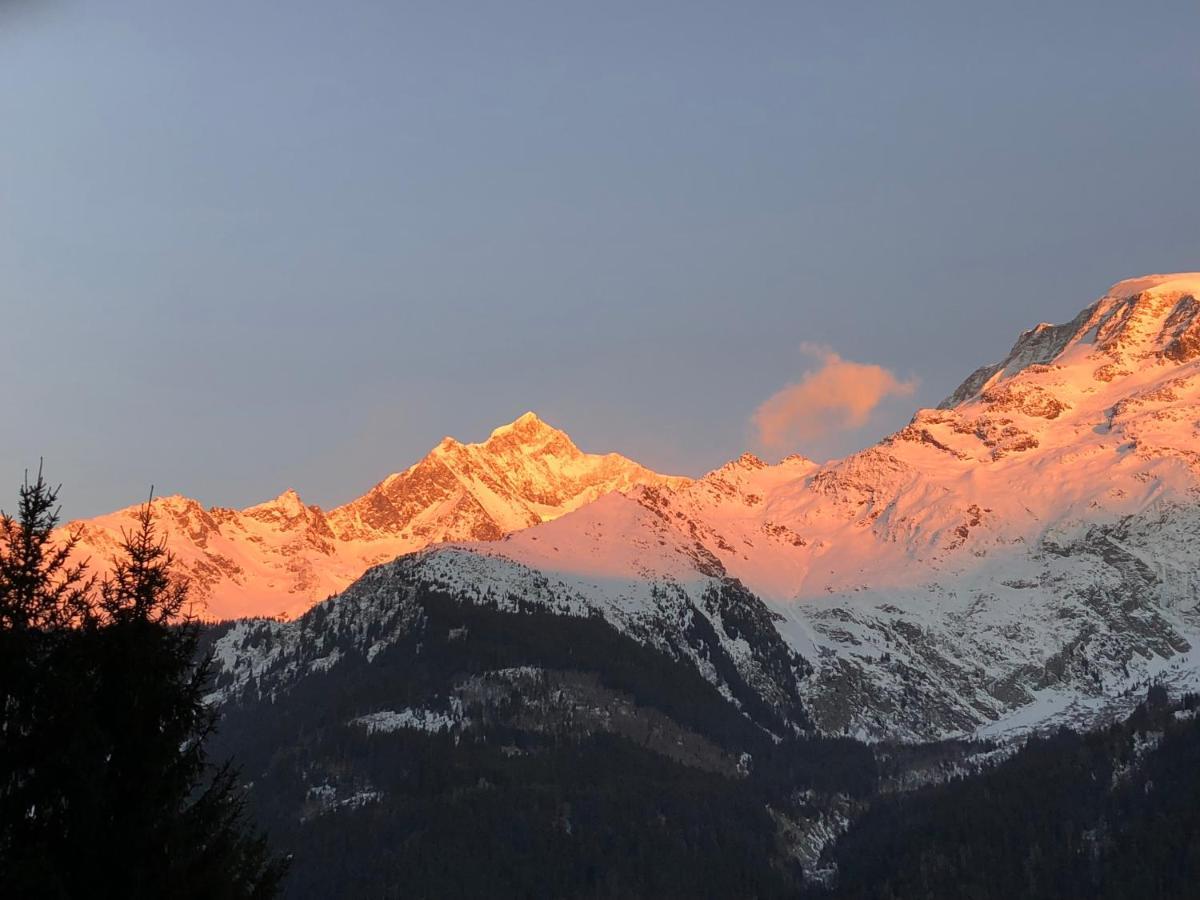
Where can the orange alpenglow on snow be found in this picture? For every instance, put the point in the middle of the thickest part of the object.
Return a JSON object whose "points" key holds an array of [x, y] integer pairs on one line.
{"points": [[280, 557], [1027, 549], [1081, 423]]}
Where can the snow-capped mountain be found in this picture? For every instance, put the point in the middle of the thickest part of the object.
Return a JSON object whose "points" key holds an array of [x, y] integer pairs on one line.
{"points": [[282, 556], [1022, 555], [1028, 549]]}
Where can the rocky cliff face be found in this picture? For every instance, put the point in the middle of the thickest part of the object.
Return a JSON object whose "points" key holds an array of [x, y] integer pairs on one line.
{"points": [[525, 473], [280, 557]]}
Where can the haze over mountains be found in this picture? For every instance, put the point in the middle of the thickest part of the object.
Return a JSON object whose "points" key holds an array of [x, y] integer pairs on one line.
{"points": [[1033, 538]]}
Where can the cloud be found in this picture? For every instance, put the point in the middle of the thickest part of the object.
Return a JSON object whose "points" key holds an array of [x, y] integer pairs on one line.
{"points": [[838, 396]]}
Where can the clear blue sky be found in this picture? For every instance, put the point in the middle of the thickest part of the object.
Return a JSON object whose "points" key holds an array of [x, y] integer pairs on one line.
{"points": [[250, 245]]}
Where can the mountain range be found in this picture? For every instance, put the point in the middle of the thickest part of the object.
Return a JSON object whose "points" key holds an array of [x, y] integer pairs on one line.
{"points": [[1023, 553], [280, 557], [789, 679]]}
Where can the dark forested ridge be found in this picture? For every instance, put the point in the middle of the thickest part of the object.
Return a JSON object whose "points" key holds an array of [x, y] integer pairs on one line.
{"points": [[1113, 813], [570, 760], [579, 762], [403, 742]]}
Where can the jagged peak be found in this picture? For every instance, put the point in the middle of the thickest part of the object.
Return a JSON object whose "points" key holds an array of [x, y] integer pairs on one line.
{"points": [[1150, 316], [170, 502], [290, 499], [529, 417], [527, 430], [524, 462], [527, 425], [288, 502], [747, 462], [797, 459]]}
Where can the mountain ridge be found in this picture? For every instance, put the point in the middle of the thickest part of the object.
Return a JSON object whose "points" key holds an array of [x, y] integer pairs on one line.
{"points": [[809, 641], [1031, 547], [280, 556], [1023, 554]]}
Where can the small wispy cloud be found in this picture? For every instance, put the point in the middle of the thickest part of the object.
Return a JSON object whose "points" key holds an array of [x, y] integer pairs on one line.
{"points": [[838, 395]]}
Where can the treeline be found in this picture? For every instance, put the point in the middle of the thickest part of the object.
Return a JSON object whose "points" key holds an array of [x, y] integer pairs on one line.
{"points": [[1114, 813], [106, 787]]}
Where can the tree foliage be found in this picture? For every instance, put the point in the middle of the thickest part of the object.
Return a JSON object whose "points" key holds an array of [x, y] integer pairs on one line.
{"points": [[1112, 813], [106, 788], [40, 588]]}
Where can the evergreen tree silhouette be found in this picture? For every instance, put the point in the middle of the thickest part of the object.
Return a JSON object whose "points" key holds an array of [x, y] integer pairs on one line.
{"points": [[107, 790]]}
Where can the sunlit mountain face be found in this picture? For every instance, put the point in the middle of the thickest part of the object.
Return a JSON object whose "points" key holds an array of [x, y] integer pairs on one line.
{"points": [[1026, 550], [559, 653], [280, 557]]}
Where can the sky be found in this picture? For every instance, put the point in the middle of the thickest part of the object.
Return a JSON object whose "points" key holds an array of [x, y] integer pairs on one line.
{"points": [[249, 246]]}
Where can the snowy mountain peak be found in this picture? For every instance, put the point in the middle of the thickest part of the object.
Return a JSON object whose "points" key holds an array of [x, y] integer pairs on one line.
{"points": [[749, 461], [1174, 283], [524, 473], [1155, 318], [530, 435], [796, 459], [288, 502], [281, 556], [1036, 538], [526, 426]]}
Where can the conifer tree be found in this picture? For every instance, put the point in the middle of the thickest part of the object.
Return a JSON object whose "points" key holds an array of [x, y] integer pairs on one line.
{"points": [[45, 603], [40, 589], [106, 788], [185, 820]]}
